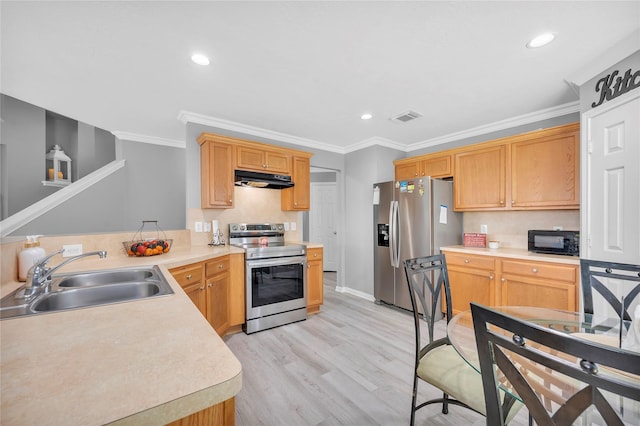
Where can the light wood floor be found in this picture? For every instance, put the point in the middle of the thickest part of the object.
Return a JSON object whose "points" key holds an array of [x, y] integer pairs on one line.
{"points": [[351, 364]]}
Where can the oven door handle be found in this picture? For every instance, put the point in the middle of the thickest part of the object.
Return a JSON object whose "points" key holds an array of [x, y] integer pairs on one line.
{"points": [[276, 261]]}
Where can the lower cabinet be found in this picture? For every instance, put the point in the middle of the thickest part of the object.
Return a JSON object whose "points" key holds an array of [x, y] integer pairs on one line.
{"points": [[222, 414], [315, 280], [216, 287], [472, 279], [539, 284], [520, 282]]}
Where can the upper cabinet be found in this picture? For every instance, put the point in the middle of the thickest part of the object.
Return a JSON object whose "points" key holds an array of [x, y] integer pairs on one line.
{"points": [[435, 165], [533, 171], [259, 159], [298, 197], [221, 155]]}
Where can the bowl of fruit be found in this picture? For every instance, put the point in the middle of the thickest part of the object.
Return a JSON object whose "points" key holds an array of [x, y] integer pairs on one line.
{"points": [[152, 246]]}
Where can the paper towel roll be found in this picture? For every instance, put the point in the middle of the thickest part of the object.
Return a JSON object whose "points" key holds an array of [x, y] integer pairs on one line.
{"points": [[215, 226]]}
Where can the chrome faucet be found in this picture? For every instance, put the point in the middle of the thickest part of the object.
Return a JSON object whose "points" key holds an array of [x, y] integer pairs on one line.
{"points": [[39, 275]]}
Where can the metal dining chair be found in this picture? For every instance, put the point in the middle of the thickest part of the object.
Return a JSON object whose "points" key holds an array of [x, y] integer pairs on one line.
{"points": [[436, 361], [559, 377], [614, 287]]}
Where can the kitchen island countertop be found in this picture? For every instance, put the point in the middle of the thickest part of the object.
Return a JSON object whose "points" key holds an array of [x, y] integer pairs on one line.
{"points": [[148, 361]]}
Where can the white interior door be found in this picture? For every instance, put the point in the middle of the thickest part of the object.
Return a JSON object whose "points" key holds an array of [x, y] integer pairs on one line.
{"points": [[322, 221], [612, 191]]}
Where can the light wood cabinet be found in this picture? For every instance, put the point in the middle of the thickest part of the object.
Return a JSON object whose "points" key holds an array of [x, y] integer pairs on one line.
{"points": [[472, 279], [543, 284], [259, 159], [533, 171], [315, 279], [221, 155], [216, 174], [497, 281], [299, 196], [480, 178], [217, 293], [216, 287], [436, 166], [222, 414]]}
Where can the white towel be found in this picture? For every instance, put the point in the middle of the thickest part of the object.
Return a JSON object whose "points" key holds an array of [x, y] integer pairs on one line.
{"points": [[632, 341]]}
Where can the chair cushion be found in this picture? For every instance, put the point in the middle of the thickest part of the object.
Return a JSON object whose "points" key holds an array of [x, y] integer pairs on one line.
{"points": [[445, 369]]}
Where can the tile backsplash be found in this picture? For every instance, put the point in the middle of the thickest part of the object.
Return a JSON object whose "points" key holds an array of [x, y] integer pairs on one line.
{"points": [[510, 228], [251, 205]]}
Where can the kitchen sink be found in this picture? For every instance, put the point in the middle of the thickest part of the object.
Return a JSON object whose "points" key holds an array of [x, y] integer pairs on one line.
{"points": [[104, 277], [89, 289]]}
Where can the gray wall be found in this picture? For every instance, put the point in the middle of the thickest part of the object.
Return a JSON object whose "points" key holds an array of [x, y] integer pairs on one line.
{"points": [[363, 168]]}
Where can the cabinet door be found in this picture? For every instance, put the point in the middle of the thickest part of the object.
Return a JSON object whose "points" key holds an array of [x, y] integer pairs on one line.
{"points": [[470, 285], [278, 162], [299, 196], [216, 172], [543, 284], [236, 289], [315, 278], [437, 167], [408, 170], [480, 179], [249, 158], [545, 172], [197, 294], [218, 302]]}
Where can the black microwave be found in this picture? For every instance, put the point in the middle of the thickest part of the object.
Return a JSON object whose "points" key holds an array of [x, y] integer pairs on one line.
{"points": [[555, 242]]}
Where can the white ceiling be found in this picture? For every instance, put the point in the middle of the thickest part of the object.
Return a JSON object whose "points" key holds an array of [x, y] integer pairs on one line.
{"points": [[304, 71]]}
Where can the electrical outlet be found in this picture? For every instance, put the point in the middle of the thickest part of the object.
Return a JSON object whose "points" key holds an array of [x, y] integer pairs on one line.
{"points": [[286, 226], [483, 229], [72, 250], [207, 226], [198, 226], [293, 226]]}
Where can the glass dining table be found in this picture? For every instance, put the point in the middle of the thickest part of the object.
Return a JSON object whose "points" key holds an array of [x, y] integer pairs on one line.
{"points": [[608, 332]]}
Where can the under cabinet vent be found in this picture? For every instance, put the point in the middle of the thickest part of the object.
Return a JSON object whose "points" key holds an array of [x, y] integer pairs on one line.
{"points": [[406, 116]]}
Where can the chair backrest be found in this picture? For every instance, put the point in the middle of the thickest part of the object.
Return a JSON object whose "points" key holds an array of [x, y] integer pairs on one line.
{"points": [[428, 279], [613, 282], [557, 376]]}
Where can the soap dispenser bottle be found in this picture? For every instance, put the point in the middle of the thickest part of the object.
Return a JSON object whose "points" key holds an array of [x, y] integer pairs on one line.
{"points": [[29, 256]]}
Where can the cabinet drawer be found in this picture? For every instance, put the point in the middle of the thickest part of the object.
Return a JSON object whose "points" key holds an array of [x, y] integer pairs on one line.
{"points": [[187, 275], [314, 254], [217, 266], [471, 261], [555, 272]]}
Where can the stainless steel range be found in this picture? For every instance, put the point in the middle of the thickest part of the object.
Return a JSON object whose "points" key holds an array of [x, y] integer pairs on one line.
{"points": [[276, 275]]}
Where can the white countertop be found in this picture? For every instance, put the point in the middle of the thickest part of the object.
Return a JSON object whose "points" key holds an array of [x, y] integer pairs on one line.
{"points": [[513, 253]]}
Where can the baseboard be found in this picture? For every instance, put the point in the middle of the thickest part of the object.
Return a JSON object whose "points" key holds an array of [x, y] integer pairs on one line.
{"points": [[357, 293]]}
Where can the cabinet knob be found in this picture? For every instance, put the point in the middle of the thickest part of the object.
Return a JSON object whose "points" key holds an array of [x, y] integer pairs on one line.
{"points": [[210, 285], [308, 266], [534, 270], [502, 280], [466, 261], [202, 288], [231, 200], [501, 201], [491, 276], [188, 277], [220, 266], [513, 201]]}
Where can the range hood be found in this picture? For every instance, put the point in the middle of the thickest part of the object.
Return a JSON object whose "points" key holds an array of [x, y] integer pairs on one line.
{"points": [[262, 180]]}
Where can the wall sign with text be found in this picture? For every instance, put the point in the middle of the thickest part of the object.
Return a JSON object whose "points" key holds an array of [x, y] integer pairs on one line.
{"points": [[613, 85]]}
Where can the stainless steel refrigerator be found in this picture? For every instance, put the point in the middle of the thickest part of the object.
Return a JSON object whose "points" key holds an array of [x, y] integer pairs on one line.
{"points": [[412, 218]]}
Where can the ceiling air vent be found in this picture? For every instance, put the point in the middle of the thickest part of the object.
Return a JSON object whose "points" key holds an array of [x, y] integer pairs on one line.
{"points": [[406, 116]]}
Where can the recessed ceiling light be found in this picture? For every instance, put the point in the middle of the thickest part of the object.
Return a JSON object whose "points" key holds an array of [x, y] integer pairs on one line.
{"points": [[366, 116], [200, 59], [541, 40]]}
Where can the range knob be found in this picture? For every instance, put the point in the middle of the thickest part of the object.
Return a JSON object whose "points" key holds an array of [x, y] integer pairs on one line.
{"points": [[280, 227], [234, 227], [243, 227]]}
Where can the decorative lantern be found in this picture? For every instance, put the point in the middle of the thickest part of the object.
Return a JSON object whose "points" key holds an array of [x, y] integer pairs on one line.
{"points": [[58, 168]]}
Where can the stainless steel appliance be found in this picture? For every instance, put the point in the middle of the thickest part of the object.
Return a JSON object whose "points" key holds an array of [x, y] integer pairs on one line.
{"points": [[555, 242], [276, 275], [412, 218]]}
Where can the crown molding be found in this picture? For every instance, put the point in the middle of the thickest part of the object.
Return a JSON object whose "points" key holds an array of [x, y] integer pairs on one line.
{"points": [[375, 141], [37, 209], [154, 140], [520, 120], [193, 117]]}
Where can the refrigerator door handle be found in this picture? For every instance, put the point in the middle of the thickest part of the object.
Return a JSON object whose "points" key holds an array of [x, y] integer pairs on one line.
{"points": [[394, 235]]}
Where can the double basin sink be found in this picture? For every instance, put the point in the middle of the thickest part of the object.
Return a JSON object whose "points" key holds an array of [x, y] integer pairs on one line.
{"points": [[88, 289]]}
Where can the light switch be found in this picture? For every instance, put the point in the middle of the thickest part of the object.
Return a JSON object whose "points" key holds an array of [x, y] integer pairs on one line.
{"points": [[207, 226], [286, 226], [198, 226], [293, 226]]}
